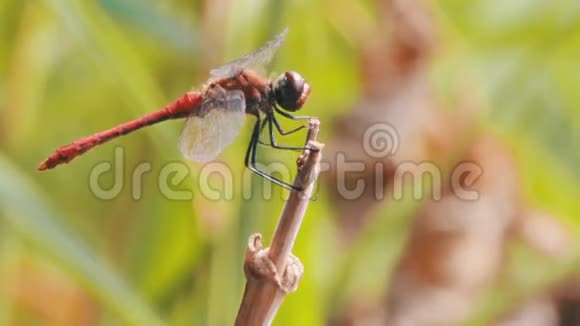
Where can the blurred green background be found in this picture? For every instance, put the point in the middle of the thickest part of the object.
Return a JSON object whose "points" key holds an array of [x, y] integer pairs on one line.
{"points": [[69, 68]]}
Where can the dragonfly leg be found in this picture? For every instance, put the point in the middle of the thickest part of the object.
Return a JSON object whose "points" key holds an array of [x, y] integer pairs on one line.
{"points": [[271, 122], [251, 160], [262, 129], [272, 118], [263, 126], [281, 131], [290, 116]]}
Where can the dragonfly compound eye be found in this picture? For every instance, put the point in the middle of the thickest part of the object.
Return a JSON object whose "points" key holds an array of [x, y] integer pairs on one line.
{"points": [[291, 90]]}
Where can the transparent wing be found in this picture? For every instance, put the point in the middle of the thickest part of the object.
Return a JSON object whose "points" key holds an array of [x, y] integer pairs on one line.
{"points": [[256, 59], [214, 127]]}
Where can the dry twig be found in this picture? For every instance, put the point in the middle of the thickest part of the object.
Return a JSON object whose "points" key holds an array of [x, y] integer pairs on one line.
{"points": [[273, 272]]}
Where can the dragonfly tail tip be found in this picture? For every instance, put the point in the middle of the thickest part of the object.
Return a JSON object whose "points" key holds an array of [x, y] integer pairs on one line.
{"points": [[42, 166]]}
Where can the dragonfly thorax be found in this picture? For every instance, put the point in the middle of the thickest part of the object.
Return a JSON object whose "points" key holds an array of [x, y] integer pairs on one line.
{"points": [[291, 90]]}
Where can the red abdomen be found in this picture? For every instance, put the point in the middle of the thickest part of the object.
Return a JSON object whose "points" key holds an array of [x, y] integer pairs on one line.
{"points": [[180, 108]]}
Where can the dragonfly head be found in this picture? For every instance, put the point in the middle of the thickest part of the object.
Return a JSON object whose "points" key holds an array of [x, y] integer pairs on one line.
{"points": [[291, 90]]}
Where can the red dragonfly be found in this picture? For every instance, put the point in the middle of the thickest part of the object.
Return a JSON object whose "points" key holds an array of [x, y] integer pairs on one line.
{"points": [[216, 113]]}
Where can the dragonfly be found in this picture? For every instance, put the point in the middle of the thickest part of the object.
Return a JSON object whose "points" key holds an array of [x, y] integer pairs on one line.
{"points": [[215, 114]]}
